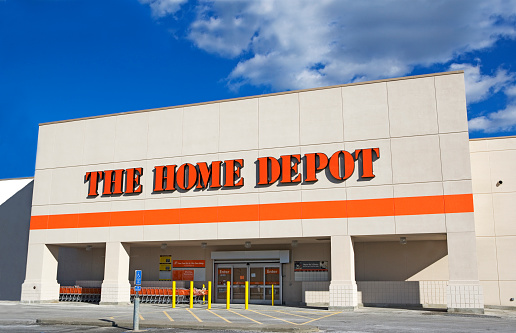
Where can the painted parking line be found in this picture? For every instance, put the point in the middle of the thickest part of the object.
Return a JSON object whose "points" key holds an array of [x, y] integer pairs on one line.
{"points": [[331, 314], [263, 314], [166, 314], [141, 317], [219, 316], [292, 314], [193, 314], [241, 315]]}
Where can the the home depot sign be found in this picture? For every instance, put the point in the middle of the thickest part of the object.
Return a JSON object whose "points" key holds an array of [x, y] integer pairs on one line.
{"points": [[217, 174]]}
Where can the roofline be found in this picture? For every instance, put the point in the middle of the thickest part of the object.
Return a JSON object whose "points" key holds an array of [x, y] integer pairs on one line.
{"points": [[494, 138], [20, 178], [255, 96]]}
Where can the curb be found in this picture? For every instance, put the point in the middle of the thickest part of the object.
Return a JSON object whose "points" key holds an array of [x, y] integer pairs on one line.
{"points": [[194, 326]]}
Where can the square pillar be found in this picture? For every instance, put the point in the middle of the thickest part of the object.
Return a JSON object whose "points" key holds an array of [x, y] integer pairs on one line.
{"points": [[116, 287], [343, 287], [40, 285], [464, 292]]}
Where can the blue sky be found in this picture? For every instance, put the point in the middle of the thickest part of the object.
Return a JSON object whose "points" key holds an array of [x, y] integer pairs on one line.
{"points": [[64, 59]]}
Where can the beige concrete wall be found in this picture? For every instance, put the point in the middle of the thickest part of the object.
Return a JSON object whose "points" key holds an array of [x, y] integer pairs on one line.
{"points": [[423, 153], [391, 261], [494, 160], [419, 124]]}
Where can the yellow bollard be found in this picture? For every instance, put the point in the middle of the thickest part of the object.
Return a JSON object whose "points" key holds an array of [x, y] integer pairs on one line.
{"points": [[272, 295], [228, 294], [191, 294], [247, 295], [209, 295], [203, 297], [173, 294]]}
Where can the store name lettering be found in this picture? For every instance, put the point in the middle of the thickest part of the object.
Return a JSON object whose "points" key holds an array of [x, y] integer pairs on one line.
{"points": [[288, 169]]}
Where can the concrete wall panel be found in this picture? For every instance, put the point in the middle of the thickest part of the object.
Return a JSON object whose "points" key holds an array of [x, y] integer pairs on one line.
{"points": [[412, 163], [412, 107], [372, 121], [278, 121], [451, 103], [201, 129], [239, 125], [315, 128], [165, 133]]}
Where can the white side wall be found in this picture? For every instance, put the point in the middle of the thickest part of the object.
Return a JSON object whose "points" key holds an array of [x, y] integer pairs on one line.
{"points": [[494, 160]]}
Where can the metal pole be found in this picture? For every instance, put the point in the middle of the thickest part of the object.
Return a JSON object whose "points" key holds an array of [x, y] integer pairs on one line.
{"points": [[191, 294], [136, 313], [173, 294], [272, 294], [247, 295], [203, 296], [209, 295], [228, 294]]}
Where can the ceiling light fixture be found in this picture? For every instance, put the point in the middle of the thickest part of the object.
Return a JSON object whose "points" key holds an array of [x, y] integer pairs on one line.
{"points": [[403, 240], [247, 245]]}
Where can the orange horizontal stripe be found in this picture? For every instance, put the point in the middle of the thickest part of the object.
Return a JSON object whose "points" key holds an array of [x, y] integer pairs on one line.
{"points": [[280, 211], [459, 203], [323, 209], [63, 221], [39, 222], [94, 220], [239, 213], [371, 207], [439, 204], [419, 205]]}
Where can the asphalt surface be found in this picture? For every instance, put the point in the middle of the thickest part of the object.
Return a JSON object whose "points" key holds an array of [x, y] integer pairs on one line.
{"points": [[82, 317]]}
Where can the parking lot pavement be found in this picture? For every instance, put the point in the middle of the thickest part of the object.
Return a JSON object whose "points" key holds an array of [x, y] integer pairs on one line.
{"points": [[162, 318]]}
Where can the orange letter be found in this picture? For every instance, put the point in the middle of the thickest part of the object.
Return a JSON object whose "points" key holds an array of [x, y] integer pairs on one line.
{"points": [[335, 165], [160, 177], [113, 186], [94, 178], [367, 161], [209, 173], [311, 165], [287, 168], [132, 180], [183, 182], [233, 169], [264, 176]]}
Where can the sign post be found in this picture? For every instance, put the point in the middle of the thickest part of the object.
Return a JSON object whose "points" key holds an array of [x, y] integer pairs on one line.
{"points": [[137, 288]]}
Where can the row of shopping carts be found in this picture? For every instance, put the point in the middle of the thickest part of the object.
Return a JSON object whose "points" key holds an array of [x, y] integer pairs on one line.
{"points": [[79, 294], [164, 295]]}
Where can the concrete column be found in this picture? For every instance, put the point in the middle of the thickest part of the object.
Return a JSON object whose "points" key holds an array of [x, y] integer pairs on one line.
{"points": [[116, 287], [40, 284], [464, 292], [343, 287]]}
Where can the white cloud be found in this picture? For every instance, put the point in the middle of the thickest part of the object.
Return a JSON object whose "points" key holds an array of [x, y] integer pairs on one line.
{"points": [[162, 8], [500, 121], [479, 87], [298, 44]]}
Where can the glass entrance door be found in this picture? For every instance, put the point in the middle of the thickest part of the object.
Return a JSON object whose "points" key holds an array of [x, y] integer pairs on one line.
{"points": [[261, 277]]}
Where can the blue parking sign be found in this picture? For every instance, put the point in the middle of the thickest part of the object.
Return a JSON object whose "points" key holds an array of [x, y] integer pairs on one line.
{"points": [[138, 277], [137, 288]]}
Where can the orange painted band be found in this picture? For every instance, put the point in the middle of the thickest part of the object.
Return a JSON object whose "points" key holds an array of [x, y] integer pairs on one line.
{"points": [[438, 204]]}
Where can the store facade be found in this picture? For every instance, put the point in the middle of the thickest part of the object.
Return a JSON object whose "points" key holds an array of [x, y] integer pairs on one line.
{"points": [[339, 195]]}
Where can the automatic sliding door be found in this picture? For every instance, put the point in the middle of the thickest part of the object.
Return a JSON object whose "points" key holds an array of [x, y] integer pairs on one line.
{"points": [[256, 285], [223, 276], [272, 278], [239, 278]]}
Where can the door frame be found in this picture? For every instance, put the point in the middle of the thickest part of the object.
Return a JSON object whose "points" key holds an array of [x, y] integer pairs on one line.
{"points": [[248, 264]]}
